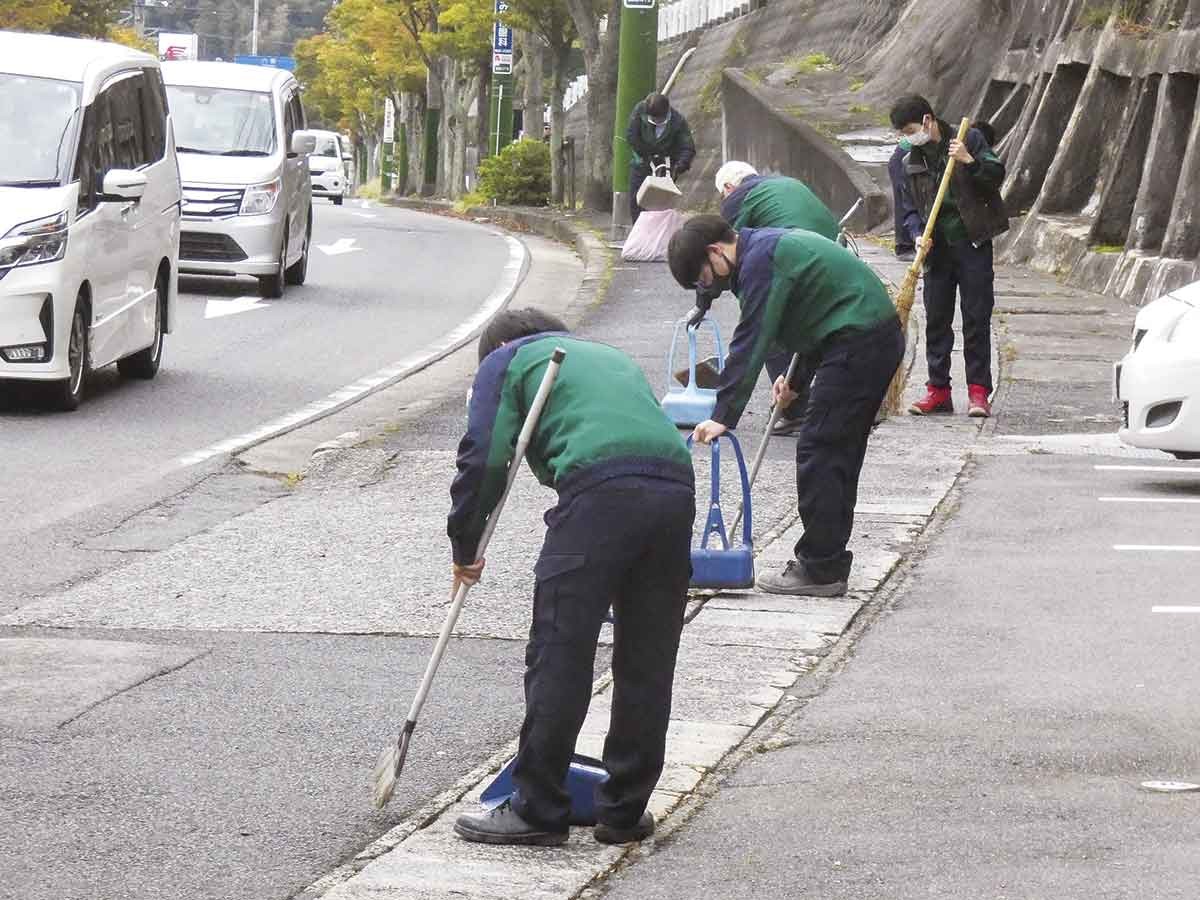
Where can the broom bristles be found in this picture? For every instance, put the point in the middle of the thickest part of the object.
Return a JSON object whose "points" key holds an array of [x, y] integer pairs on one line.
{"points": [[904, 302]]}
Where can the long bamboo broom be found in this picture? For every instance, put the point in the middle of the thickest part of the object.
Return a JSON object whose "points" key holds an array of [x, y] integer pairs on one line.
{"points": [[391, 760], [908, 289]]}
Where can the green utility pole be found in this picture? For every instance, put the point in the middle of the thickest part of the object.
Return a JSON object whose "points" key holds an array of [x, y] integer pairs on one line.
{"points": [[500, 103], [389, 141], [637, 69]]}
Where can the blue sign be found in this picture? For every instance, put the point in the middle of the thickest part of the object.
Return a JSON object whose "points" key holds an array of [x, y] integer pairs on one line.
{"points": [[502, 38], [276, 62]]}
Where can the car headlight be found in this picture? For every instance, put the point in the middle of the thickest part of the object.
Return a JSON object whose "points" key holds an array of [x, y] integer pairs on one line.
{"points": [[30, 243], [260, 198]]}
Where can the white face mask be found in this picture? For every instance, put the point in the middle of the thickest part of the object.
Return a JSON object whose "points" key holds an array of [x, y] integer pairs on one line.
{"points": [[920, 139]]}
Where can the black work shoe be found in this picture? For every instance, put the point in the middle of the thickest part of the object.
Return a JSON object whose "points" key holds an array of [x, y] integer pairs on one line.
{"points": [[784, 425], [611, 834], [794, 579], [502, 825]]}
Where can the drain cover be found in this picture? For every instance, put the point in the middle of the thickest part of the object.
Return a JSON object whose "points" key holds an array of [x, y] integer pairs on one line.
{"points": [[1170, 787]]}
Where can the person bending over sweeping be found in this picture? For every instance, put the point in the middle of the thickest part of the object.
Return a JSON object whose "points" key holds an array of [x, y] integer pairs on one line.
{"points": [[750, 200], [621, 534], [804, 293]]}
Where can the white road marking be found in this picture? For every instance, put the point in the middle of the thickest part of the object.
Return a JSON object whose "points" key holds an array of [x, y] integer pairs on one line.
{"points": [[1175, 609], [365, 215], [510, 279], [1181, 470], [338, 247], [366, 204], [1149, 499], [215, 309], [1159, 548]]}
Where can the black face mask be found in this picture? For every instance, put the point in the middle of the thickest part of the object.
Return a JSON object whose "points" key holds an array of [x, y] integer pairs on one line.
{"points": [[722, 283]]}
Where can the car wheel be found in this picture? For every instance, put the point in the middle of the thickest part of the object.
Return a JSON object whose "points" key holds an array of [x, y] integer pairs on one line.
{"points": [[271, 286], [297, 272], [144, 363], [1184, 454], [68, 393]]}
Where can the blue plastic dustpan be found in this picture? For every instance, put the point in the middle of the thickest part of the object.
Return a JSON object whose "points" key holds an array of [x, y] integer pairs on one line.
{"points": [[688, 406], [726, 566], [583, 777]]}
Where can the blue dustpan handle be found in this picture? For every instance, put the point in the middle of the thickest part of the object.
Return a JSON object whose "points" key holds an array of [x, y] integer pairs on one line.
{"points": [[741, 461], [671, 355], [715, 523]]}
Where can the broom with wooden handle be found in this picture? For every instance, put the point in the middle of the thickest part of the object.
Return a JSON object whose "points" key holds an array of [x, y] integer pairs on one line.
{"points": [[391, 760], [908, 289]]}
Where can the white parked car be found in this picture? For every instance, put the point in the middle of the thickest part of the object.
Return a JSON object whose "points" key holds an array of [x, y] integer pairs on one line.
{"points": [[243, 155], [1158, 381], [326, 166], [89, 212]]}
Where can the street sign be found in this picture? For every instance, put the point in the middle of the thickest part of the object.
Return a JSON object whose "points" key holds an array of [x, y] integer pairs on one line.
{"points": [[502, 63], [178, 46], [502, 38], [639, 4], [389, 121], [502, 42], [276, 62]]}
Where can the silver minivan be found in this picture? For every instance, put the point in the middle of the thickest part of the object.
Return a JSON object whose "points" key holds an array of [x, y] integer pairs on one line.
{"points": [[243, 156], [89, 212]]}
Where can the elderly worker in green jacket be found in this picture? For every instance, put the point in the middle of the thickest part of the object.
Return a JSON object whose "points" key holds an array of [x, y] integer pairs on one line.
{"points": [[656, 133]]}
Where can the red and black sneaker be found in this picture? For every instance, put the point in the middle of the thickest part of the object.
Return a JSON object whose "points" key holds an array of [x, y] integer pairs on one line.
{"points": [[978, 405], [937, 400]]}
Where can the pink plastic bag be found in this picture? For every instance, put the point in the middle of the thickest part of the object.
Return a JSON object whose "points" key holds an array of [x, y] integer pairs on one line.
{"points": [[648, 238]]}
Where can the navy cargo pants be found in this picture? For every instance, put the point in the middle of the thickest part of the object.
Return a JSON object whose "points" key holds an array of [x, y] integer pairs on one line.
{"points": [[850, 384], [625, 542], [964, 269]]}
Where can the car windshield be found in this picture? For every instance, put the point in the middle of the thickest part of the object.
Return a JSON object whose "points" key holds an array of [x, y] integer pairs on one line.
{"points": [[326, 146], [222, 122], [38, 119]]}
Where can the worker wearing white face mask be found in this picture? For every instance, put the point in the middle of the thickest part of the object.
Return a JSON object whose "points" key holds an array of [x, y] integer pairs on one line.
{"points": [[959, 261]]}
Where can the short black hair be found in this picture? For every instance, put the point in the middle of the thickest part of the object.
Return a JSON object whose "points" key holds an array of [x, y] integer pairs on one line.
{"points": [[986, 129], [513, 324], [911, 109], [687, 252], [657, 105]]}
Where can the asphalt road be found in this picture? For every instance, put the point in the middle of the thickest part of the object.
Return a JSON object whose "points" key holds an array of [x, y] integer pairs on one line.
{"points": [[992, 733], [383, 285], [218, 763]]}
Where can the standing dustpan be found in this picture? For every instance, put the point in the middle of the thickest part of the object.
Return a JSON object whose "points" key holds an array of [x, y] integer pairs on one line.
{"points": [[583, 777], [689, 405], [725, 566]]}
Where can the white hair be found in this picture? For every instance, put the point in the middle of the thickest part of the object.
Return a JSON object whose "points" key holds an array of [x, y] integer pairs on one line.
{"points": [[732, 174]]}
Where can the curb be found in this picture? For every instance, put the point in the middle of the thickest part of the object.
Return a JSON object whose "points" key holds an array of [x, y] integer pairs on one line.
{"points": [[566, 228]]}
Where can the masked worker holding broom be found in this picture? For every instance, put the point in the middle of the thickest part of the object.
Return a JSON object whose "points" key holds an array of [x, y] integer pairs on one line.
{"points": [[960, 258], [805, 294], [621, 534]]}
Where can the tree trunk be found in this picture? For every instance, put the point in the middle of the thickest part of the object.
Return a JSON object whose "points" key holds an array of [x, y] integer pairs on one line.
{"points": [[535, 93], [558, 119], [600, 60]]}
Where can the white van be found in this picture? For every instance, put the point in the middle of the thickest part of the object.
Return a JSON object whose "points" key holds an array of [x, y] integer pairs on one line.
{"points": [[89, 212], [327, 166], [243, 155]]}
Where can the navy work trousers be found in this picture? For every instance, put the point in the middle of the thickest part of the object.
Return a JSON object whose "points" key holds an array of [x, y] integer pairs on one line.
{"points": [[625, 542], [967, 269], [851, 382]]}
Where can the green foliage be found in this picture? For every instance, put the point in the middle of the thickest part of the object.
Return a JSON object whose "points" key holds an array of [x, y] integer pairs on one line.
{"points": [[124, 34], [31, 15], [857, 85], [710, 96], [1108, 248], [859, 108], [519, 175], [813, 62], [90, 18]]}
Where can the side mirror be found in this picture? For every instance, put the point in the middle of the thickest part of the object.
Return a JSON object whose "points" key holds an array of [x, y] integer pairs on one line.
{"points": [[303, 143], [122, 185], [347, 157]]}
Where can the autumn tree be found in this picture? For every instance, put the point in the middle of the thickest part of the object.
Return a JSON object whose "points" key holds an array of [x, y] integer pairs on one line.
{"points": [[600, 61], [31, 15]]}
